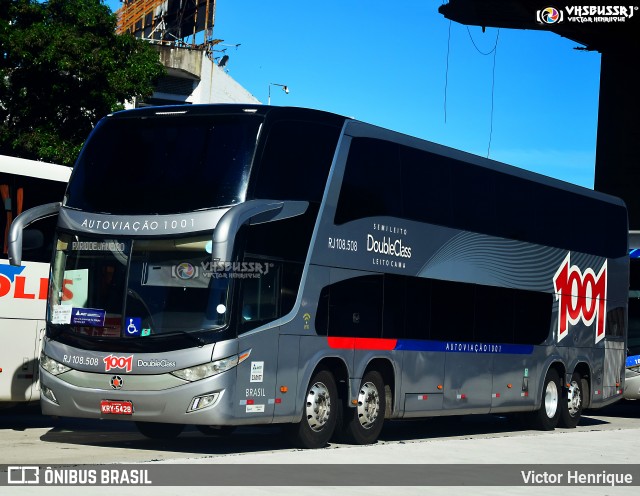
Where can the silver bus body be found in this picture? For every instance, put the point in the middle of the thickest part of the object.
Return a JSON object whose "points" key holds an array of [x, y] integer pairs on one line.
{"points": [[389, 316]]}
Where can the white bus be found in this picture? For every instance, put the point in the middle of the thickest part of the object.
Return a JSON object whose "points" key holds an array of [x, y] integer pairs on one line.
{"points": [[23, 290]]}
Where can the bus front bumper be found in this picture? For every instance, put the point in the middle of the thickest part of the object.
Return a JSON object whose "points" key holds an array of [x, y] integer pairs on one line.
{"points": [[181, 403]]}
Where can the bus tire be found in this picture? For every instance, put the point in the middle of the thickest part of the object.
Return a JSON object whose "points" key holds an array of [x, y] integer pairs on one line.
{"points": [[158, 430], [216, 430], [320, 413], [547, 417], [573, 400], [362, 424]]}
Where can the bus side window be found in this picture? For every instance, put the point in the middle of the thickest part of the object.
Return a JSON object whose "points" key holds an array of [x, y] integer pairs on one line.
{"points": [[260, 298], [270, 295], [371, 183], [353, 308], [296, 161]]}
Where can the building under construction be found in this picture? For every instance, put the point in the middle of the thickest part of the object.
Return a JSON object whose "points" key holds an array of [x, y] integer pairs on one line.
{"points": [[167, 21], [182, 31]]}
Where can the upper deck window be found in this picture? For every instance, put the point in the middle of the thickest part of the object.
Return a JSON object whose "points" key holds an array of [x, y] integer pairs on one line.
{"points": [[162, 165], [385, 179]]}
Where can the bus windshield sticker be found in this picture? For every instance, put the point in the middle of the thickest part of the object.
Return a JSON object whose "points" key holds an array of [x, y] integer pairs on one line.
{"points": [[88, 317], [61, 314], [134, 326]]}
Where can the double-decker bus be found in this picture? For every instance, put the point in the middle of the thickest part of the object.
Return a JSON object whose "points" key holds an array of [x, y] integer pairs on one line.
{"points": [[23, 290], [236, 265]]}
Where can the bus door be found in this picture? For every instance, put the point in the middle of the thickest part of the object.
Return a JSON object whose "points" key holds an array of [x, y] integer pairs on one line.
{"points": [[256, 381]]}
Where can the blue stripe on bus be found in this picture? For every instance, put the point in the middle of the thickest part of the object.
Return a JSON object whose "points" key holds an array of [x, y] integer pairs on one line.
{"points": [[463, 347]]}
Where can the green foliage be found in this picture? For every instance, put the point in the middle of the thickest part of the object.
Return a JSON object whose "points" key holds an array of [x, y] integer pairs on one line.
{"points": [[62, 68]]}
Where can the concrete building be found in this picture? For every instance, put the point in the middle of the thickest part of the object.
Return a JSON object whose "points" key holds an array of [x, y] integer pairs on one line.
{"points": [[193, 76]]}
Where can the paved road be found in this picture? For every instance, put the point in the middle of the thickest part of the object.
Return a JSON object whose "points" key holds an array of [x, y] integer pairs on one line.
{"points": [[607, 436]]}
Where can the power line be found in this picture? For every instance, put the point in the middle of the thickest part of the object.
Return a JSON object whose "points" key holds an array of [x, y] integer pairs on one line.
{"points": [[446, 74]]}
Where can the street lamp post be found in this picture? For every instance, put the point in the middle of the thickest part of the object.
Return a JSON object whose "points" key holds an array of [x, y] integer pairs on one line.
{"points": [[284, 87]]}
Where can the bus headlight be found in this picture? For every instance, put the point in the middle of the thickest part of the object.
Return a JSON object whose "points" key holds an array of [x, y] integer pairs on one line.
{"points": [[205, 370], [51, 366]]}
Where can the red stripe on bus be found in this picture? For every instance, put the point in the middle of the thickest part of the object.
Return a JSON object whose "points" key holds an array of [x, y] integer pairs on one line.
{"points": [[341, 342], [362, 343]]}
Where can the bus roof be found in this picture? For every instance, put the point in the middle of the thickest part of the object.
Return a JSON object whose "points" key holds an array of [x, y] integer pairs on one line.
{"points": [[32, 168]]}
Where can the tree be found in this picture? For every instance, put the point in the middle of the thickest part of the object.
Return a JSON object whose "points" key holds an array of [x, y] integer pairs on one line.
{"points": [[62, 68]]}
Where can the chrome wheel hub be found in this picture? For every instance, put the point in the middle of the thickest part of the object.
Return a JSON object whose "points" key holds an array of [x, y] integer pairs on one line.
{"points": [[551, 399], [574, 398], [318, 406], [368, 405]]}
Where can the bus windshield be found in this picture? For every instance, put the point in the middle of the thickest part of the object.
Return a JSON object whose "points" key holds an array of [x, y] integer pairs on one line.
{"points": [[120, 288], [153, 166]]}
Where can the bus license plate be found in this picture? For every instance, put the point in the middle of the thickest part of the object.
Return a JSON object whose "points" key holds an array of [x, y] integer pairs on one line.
{"points": [[116, 407]]}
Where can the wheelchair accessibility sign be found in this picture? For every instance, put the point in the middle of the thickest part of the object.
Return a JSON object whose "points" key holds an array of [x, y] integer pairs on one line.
{"points": [[133, 326]]}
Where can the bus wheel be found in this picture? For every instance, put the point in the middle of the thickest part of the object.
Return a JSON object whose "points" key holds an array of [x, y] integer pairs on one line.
{"points": [[319, 415], [157, 430], [364, 422], [546, 418], [573, 401], [216, 430]]}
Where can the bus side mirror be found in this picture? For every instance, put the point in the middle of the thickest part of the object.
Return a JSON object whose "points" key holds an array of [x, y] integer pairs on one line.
{"points": [[252, 212], [21, 222]]}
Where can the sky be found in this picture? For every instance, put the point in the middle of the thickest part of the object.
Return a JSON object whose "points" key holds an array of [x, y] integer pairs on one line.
{"points": [[403, 66]]}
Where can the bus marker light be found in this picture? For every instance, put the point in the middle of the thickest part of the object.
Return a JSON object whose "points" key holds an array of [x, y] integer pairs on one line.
{"points": [[495, 395], [243, 356], [250, 402], [462, 396], [278, 401], [354, 402], [440, 387], [509, 386], [524, 394], [284, 389]]}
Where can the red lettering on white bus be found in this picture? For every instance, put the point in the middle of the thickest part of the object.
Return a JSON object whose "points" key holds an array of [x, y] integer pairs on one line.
{"points": [[20, 288], [582, 297], [44, 288], [5, 286], [19, 291]]}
